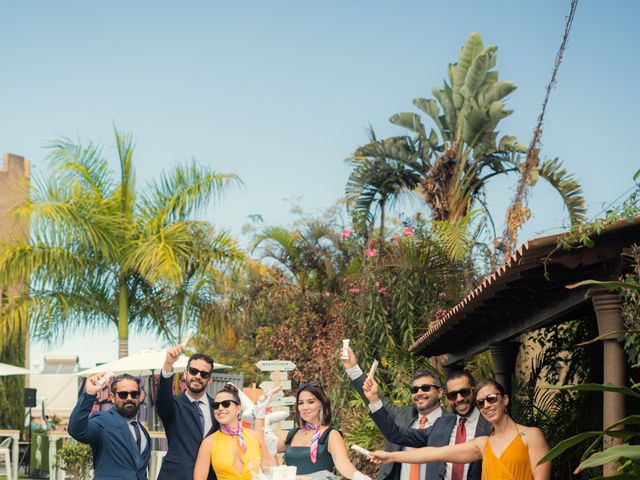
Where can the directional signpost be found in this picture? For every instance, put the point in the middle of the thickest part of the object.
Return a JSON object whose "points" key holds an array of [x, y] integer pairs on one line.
{"points": [[278, 375]]}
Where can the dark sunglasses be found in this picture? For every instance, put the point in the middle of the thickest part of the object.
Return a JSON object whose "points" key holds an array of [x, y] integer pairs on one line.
{"points": [[310, 384], [195, 371], [425, 388], [490, 399], [123, 395], [224, 403], [463, 392]]}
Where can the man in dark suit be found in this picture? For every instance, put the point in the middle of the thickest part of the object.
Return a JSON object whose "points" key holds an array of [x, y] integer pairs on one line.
{"points": [[121, 446], [188, 417], [424, 410], [466, 424]]}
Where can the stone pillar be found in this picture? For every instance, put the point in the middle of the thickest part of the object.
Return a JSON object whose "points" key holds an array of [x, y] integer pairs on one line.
{"points": [[609, 316], [504, 356]]}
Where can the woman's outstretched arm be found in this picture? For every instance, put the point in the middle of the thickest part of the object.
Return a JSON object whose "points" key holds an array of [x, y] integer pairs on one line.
{"points": [[460, 453]]}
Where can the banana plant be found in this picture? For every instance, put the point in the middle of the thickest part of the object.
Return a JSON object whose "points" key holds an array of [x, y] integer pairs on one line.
{"points": [[451, 163]]}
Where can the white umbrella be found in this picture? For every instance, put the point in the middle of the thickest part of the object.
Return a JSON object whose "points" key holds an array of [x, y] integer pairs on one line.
{"points": [[146, 362], [6, 369]]}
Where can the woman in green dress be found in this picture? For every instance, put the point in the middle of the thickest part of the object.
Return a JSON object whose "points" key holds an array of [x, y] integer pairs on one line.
{"points": [[314, 444]]}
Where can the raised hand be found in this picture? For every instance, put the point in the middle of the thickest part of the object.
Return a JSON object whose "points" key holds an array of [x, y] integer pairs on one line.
{"points": [[173, 354], [90, 385], [351, 362], [370, 388], [379, 457]]}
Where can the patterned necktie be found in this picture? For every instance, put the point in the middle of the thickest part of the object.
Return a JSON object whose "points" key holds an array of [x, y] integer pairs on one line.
{"points": [[313, 450], [199, 414], [136, 433], [235, 433], [414, 471], [461, 437]]}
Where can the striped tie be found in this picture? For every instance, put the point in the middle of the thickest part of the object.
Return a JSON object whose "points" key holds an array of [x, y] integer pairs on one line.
{"points": [[313, 450], [235, 433]]}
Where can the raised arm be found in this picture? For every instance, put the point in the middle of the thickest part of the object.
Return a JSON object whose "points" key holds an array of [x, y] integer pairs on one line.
{"points": [[203, 462], [80, 427], [164, 392], [538, 448], [358, 378], [407, 437], [338, 452], [460, 453]]}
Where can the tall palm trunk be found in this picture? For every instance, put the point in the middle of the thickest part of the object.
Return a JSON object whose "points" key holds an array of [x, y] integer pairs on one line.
{"points": [[382, 202], [123, 318]]}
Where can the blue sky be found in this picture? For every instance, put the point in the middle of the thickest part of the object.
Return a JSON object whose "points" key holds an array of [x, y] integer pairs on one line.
{"points": [[282, 92]]}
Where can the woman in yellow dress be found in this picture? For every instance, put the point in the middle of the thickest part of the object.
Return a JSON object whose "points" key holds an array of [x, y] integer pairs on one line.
{"points": [[233, 451], [511, 452]]}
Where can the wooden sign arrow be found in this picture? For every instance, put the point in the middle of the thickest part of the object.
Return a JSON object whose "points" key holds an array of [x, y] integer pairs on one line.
{"points": [[273, 365], [266, 386]]}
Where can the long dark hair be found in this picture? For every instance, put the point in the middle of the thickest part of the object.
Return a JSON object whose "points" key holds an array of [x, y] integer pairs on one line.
{"points": [[316, 390]]}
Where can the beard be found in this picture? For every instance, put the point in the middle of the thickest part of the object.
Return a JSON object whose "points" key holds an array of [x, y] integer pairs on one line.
{"points": [[128, 410], [195, 388]]}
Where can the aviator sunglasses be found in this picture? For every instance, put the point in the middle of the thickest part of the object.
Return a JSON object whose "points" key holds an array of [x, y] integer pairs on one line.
{"points": [[195, 371], [123, 395], [425, 388], [463, 392], [224, 403], [490, 399]]}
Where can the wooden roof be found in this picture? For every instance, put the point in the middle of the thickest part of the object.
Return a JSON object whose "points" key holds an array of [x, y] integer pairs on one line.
{"points": [[528, 292]]}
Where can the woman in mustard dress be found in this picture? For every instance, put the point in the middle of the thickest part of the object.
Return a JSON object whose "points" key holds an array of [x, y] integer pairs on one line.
{"points": [[233, 451], [511, 452]]}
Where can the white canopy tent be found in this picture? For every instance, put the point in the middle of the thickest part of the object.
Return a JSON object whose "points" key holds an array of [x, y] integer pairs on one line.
{"points": [[146, 362]]}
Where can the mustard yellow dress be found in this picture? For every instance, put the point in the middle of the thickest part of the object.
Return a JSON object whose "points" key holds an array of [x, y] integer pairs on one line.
{"points": [[222, 456], [513, 464]]}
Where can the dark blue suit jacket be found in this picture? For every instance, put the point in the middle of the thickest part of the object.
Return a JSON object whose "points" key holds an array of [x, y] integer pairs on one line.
{"points": [[183, 432], [438, 435], [403, 416], [115, 453]]}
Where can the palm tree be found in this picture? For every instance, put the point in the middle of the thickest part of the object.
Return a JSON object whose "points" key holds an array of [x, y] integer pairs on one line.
{"points": [[453, 163], [102, 253], [376, 183], [313, 255]]}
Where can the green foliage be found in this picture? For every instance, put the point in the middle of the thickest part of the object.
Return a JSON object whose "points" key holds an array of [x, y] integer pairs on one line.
{"points": [[11, 387], [627, 454], [101, 252], [76, 459], [452, 164]]}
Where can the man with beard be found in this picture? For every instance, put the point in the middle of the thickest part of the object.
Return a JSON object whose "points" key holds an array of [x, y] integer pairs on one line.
{"points": [[462, 427], [188, 417], [121, 445], [424, 410]]}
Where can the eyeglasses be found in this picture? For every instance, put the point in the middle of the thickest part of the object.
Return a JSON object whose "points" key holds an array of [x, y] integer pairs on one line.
{"points": [[224, 403], [310, 384], [490, 399], [463, 392], [123, 395], [425, 388], [195, 371]]}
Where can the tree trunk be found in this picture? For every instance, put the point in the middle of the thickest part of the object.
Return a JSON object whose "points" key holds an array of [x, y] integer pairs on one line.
{"points": [[382, 202], [123, 319]]}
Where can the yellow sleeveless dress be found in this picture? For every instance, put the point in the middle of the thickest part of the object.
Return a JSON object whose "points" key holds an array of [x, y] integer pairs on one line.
{"points": [[513, 464], [222, 456]]}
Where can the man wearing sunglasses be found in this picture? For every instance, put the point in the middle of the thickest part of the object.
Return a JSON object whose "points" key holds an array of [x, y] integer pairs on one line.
{"points": [[188, 417], [422, 413], [121, 445], [464, 426]]}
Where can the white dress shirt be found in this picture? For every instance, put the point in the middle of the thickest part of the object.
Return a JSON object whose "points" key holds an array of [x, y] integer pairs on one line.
{"points": [[143, 437], [470, 426], [405, 469]]}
